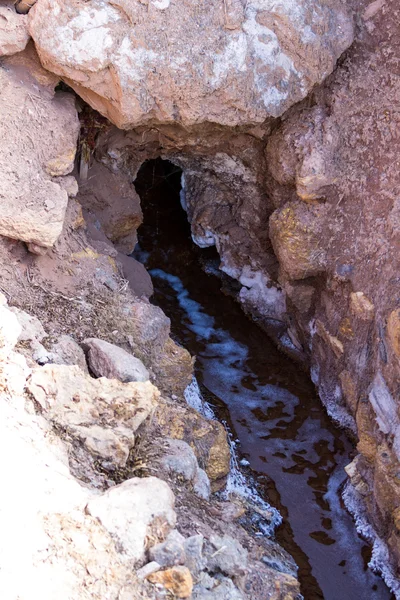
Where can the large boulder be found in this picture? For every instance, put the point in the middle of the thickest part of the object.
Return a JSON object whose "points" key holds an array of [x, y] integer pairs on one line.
{"points": [[227, 62]]}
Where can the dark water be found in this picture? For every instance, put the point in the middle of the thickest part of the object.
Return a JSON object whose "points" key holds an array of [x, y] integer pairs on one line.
{"points": [[283, 429]]}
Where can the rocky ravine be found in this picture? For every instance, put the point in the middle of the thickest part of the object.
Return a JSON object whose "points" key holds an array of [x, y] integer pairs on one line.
{"points": [[289, 170]]}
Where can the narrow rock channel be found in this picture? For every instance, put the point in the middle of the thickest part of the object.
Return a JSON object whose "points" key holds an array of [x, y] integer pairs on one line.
{"points": [[284, 433]]}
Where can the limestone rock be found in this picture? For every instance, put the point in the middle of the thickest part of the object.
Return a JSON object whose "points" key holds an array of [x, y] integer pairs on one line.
{"points": [[108, 360], [134, 512], [177, 579], [103, 413], [187, 62], [14, 33], [41, 145]]}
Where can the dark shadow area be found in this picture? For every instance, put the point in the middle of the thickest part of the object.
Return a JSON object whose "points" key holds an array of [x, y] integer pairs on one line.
{"points": [[293, 449]]}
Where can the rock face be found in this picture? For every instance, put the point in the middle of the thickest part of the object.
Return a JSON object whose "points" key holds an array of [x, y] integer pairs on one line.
{"points": [[107, 360], [32, 205], [231, 63]]}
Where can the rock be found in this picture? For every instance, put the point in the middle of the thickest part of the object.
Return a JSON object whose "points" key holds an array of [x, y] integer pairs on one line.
{"points": [[195, 560], [81, 404], [134, 512], [112, 197], [69, 184], [10, 331], [295, 232], [108, 360], [36, 206], [180, 459], [201, 485], [24, 6], [147, 570], [31, 327], [361, 306], [393, 331], [137, 275], [206, 437], [229, 556], [333, 342], [67, 352], [217, 589], [14, 34], [251, 62], [177, 580], [171, 552]]}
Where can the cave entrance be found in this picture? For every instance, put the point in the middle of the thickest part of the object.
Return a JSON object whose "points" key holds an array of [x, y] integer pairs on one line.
{"points": [[294, 451]]}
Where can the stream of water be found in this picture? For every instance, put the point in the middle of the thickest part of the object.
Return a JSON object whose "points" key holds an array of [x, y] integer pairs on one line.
{"points": [[283, 430]]}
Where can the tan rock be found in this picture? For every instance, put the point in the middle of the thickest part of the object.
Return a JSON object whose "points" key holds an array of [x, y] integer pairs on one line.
{"points": [[393, 331], [332, 341], [361, 306], [14, 34], [24, 6], [295, 232], [206, 437], [189, 62], [177, 580], [104, 413], [349, 390]]}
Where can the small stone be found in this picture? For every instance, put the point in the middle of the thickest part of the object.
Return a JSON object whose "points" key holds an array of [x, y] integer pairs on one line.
{"points": [[148, 569], [177, 580], [195, 560], [211, 588], [229, 556], [201, 485], [108, 360], [361, 306], [180, 459], [171, 552]]}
